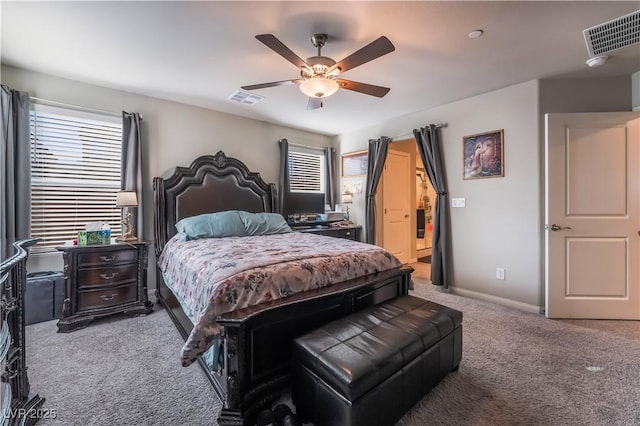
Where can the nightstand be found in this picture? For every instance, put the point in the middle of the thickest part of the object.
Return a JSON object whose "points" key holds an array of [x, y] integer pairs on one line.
{"points": [[347, 232], [102, 280]]}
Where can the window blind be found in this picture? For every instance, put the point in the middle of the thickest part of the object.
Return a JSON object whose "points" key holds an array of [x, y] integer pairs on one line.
{"points": [[306, 172], [75, 175]]}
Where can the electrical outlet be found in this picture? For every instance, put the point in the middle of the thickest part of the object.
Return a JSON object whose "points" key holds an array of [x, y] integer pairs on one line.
{"points": [[499, 273]]}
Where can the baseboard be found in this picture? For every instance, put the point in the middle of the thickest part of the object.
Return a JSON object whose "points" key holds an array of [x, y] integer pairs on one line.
{"points": [[499, 300], [413, 260]]}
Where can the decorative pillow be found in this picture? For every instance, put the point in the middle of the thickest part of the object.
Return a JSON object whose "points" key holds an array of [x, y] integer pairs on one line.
{"points": [[212, 225], [264, 223]]}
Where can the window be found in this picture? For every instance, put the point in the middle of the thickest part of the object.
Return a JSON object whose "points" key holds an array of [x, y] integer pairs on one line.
{"points": [[75, 173], [306, 171]]}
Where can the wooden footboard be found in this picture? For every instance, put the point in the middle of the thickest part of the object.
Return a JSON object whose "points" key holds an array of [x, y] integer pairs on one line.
{"points": [[257, 340]]}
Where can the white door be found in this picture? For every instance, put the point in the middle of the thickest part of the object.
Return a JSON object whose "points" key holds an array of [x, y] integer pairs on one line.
{"points": [[396, 202], [593, 215]]}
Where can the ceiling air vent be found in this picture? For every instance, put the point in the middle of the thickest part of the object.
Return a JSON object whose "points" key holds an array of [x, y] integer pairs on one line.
{"points": [[613, 35], [245, 98]]}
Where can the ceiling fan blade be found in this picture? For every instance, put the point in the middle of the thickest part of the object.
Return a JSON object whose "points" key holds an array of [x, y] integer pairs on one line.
{"points": [[272, 84], [371, 51], [314, 103], [277, 46], [367, 89]]}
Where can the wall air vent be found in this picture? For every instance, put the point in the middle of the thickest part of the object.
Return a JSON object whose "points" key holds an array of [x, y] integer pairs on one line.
{"points": [[245, 98], [613, 35]]}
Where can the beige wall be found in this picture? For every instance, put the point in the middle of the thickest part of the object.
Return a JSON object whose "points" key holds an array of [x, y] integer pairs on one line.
{"points": [[173, 134], [585, 95], [635, 91], [499, 225], [502, 223]]}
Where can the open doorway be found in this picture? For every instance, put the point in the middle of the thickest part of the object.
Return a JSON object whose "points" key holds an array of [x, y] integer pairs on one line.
{"points": [[424, 199], [418, 195], [396, 202]]}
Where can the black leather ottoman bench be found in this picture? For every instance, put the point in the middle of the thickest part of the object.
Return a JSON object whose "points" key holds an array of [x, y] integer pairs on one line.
{"points": [[371, 367]]}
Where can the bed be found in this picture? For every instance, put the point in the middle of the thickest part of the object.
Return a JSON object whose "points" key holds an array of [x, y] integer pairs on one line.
{"points": [[255, 341]]}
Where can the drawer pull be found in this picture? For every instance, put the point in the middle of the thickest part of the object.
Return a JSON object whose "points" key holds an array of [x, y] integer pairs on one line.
{"points": [[106, 298], [107, 258], [108, 276], [347, 233]]}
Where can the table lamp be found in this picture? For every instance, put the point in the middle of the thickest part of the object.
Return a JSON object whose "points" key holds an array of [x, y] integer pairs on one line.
{"points": [[346, 200], [126, 200]]}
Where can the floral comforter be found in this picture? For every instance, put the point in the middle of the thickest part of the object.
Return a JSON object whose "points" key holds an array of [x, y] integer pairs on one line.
{"points": [[216, 275]]}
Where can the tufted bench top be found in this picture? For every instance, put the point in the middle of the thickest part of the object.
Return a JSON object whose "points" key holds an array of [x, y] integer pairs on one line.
{"points": [[357, 352]]}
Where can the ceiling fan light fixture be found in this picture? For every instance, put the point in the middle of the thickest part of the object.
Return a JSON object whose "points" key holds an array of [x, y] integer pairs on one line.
{"points": [[319, 87]]}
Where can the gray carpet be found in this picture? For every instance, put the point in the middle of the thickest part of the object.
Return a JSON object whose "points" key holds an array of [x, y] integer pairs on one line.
{"points": [[517, 369]]}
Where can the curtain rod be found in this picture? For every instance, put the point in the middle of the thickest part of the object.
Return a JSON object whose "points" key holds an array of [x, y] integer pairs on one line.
{"points": [[76, 107], [410, 135], [306, 146]]}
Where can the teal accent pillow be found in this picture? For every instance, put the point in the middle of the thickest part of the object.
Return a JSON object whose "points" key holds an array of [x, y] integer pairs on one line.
{"points": [[212, 225], [264, 223]]}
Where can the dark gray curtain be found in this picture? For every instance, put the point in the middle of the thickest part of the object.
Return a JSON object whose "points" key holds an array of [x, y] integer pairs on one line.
{"points": [[283, 180], [378, 149], [331, 177], [430, 149], [15, 170], [132, 166]]}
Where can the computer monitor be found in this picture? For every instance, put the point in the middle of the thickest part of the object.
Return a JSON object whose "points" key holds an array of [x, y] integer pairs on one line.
{"points": [[303, 203]]}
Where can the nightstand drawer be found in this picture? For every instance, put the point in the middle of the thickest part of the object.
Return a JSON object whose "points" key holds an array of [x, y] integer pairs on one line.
{"points": [[349, 234], [107, 257], [107, 276], [102, 281], [109, 297]]}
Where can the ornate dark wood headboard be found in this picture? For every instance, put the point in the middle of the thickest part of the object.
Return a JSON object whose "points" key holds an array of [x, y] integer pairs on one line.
{"points": [[212, 183]]}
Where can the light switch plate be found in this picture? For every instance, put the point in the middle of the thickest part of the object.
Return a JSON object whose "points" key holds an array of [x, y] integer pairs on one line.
{"points": [[458, 202]]}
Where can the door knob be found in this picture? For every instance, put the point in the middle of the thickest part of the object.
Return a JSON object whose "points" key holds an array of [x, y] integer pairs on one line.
{"points": [[555, 227], [406, 216]]}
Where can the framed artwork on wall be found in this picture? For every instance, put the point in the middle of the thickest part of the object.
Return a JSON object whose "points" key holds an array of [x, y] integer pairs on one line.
{"points": [[355, 163], [483, 155]]}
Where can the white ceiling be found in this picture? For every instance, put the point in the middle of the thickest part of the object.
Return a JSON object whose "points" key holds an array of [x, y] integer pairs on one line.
{"points": [[201, 52]]}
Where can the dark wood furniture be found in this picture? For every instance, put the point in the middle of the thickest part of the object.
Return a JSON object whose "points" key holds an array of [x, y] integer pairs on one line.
{"points": [[417, 343], [15, 392], [347, 232], [256, 340], [103, 280]]}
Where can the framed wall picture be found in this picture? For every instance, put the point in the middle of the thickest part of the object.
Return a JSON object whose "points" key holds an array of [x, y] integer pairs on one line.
{"points": [[483, 155], [355, 163]]}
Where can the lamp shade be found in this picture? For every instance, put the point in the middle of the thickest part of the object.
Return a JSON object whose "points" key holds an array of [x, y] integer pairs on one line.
{"points": [[126, 199], [347, 199], [319, 87]]}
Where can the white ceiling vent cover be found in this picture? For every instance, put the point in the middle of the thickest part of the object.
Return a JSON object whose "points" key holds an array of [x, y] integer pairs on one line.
{"points": [[245, 98], [613, 35]]}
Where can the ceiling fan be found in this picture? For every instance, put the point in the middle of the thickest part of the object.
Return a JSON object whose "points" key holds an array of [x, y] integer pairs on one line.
{"points": [[320, 73]]}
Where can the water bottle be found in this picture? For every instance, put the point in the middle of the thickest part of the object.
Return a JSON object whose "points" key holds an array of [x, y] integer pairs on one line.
{"points": [[106, 233]]}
